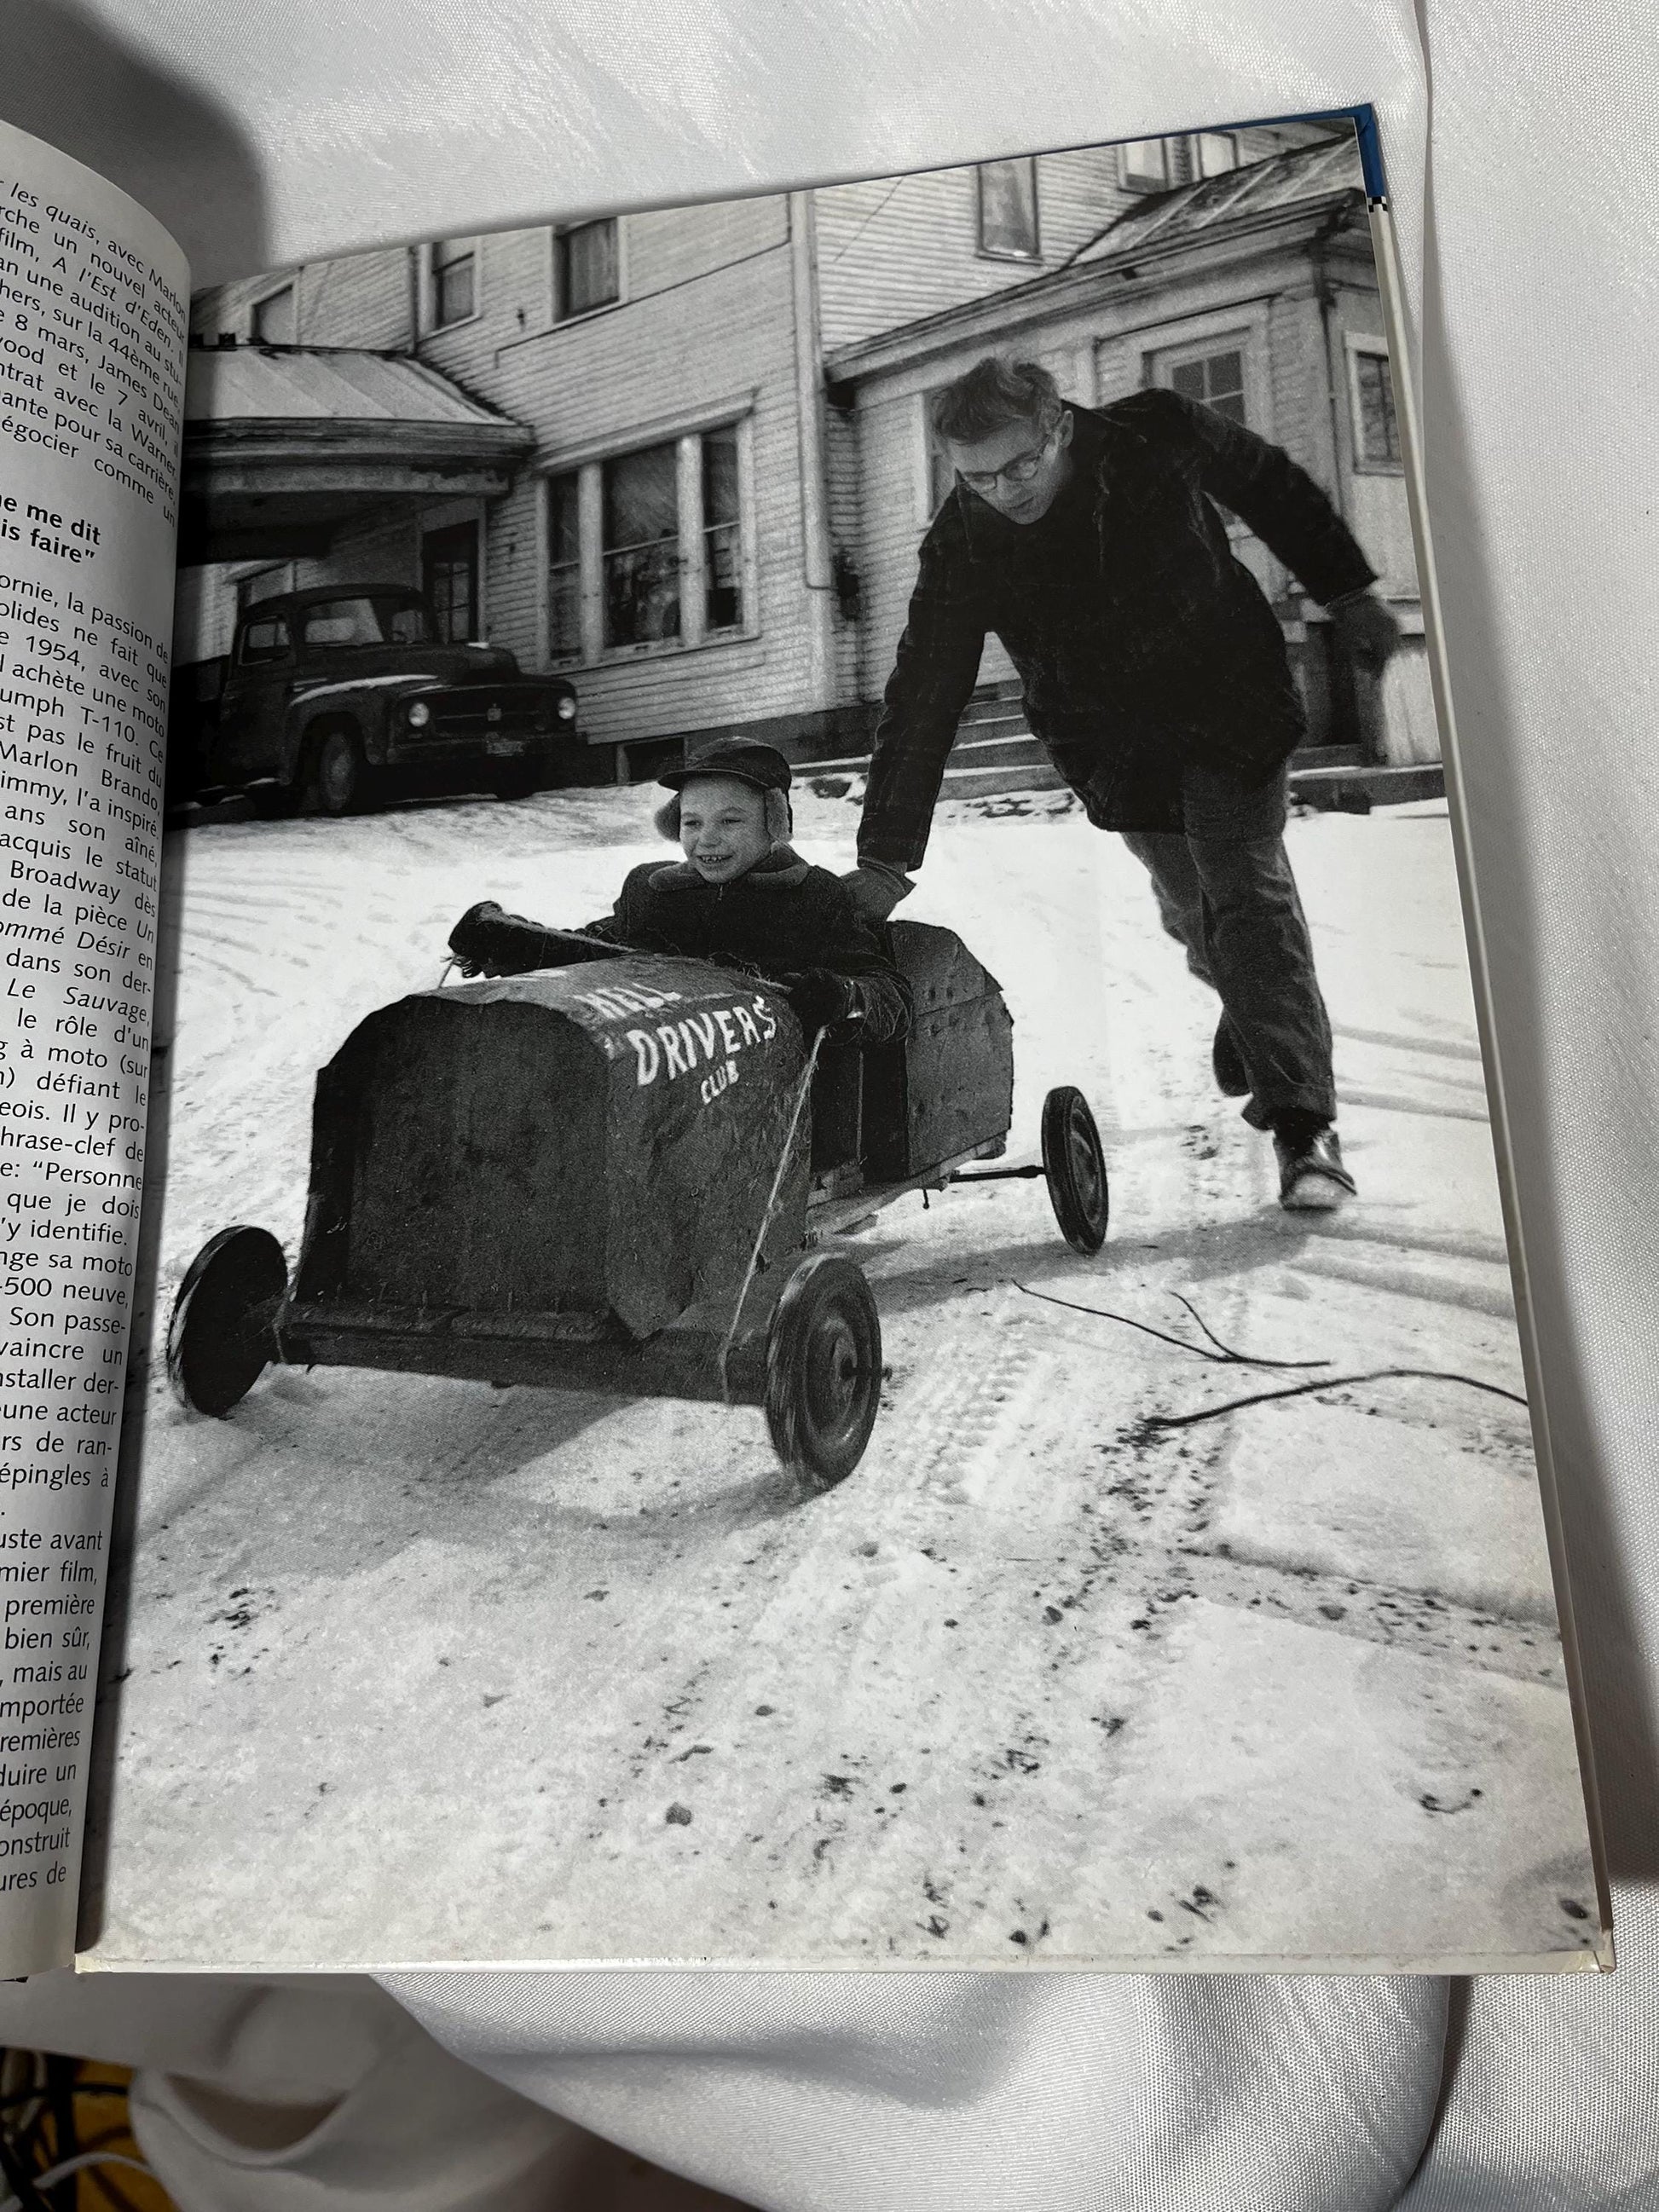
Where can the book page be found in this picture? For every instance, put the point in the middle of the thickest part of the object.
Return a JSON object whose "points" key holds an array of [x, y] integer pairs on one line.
{"points": [[92, 338], [1040, 1477]]}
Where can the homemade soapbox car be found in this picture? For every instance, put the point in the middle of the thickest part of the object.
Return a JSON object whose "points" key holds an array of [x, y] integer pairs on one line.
{"points": [[617, 1176]]}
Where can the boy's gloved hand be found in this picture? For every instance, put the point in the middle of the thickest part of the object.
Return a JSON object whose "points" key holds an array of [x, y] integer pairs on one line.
{"points": [[821, 1000], [875, 889]]}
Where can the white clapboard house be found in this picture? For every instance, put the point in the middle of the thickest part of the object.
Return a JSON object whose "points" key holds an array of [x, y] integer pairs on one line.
{"points": [[682, 456]]}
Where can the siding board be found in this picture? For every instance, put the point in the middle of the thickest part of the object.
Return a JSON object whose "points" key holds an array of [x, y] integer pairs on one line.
{"points": [[893, 249]]}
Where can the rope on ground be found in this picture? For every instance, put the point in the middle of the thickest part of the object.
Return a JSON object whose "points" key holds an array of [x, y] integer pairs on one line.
{"points": [[1331, 1382], [1223, 1356]]}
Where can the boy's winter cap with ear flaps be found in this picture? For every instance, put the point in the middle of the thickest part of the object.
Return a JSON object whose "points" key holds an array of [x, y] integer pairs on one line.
{"points": [[745, 759]]}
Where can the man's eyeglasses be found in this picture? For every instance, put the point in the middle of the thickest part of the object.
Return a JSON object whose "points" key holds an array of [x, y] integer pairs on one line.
{"points": [[1019, 471]]}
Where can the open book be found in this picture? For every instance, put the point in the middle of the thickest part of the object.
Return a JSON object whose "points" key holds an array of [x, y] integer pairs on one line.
{"points": [[755, 1401]]}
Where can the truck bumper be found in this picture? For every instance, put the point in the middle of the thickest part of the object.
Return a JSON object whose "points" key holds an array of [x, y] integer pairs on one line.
{"points": [[413, 751]]}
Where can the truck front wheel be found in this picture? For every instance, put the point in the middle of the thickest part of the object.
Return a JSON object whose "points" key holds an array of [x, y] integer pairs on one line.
{"points": [[339, 773]]}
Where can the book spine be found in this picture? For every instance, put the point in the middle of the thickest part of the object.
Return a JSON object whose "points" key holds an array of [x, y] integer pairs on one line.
{"points": [[93, 307]]}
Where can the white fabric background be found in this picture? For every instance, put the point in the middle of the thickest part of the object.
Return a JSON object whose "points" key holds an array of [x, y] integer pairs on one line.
{"points": [[1522, 137]]}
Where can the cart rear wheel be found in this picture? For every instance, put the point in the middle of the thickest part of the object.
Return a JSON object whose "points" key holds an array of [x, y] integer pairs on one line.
{"points": [[1075, 1166], [222, 1338], [823, 1369]]}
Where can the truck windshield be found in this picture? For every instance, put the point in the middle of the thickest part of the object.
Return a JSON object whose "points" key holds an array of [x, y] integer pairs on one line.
{"points": [[370, 619]]}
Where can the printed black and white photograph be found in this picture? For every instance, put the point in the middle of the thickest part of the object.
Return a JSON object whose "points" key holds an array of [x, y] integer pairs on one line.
{"points": [[832, 1288]]}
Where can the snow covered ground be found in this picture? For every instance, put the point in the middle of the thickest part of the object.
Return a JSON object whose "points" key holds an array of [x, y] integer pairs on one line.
{"points": [[422, 1670]]}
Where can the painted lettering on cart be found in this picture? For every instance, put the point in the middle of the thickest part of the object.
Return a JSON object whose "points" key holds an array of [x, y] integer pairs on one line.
{"points": [[618, 1001], [676, 1049]]}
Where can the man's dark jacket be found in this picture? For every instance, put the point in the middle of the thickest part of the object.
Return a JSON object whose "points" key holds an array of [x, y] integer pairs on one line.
{"points": [[1154, 648]]}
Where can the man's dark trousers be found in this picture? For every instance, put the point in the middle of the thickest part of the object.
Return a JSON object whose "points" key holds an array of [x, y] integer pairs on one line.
{"points": [[1226, 893]]}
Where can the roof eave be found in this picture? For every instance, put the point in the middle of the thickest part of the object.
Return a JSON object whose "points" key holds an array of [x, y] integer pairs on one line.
{"points": [[282, 437], [914, 342]]}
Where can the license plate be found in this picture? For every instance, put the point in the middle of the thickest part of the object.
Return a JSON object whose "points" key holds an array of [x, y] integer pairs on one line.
{"points": [[503, 747]]}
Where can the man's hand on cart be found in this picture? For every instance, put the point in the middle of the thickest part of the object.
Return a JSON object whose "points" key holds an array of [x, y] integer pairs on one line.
{"points": [[875, 889], [487, 940]]}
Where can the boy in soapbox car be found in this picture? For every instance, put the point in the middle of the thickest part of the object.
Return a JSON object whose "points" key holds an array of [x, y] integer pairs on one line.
{"points": [[538, 1180], [741, 896]]}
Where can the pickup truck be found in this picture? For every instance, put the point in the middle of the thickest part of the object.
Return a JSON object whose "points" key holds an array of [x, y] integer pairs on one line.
{"points": [[329, 695]]}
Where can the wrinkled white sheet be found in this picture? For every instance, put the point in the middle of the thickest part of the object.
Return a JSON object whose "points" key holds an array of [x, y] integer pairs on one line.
{"points": [[262, 137]]}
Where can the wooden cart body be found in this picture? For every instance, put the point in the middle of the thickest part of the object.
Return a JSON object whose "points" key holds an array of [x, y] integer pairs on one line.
{"points": [[564, 1178]]}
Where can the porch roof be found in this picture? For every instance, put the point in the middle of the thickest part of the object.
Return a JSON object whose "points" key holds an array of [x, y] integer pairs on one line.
{"points": [[285, 445], [1287, 189], [1306, 173]]}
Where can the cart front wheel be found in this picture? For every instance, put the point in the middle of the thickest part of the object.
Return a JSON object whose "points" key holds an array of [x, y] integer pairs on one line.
{"points": [[823, 1369], [221, 1336], [1075, 1166]]}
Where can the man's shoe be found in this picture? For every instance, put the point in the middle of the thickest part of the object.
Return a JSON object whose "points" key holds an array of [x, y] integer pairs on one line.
{"points": [[1230, 1079], [1311, 1176]]}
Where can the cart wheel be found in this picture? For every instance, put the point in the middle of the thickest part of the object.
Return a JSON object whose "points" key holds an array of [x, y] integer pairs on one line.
{"points": [[221, 1338], [1075, 1166], [823, 1369]]}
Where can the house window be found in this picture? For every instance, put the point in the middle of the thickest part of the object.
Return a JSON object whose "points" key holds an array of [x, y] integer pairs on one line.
{"points": [[587, 267], [1215, 380], [722, 530], [1008, 210], [449, 572], [564, 567], [1215, 152], [650, 548], [1377, 427], [1145, 164], [454, 281], [275, 318], [642, 550]]}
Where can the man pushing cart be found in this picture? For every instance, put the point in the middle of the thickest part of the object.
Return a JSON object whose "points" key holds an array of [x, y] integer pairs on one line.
{"points": [[1155, 672]]}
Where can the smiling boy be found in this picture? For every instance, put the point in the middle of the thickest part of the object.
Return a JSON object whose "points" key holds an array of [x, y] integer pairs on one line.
{"points": [[741, 895]]}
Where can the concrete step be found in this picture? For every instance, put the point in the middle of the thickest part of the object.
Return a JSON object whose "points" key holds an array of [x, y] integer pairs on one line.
{"points": [[992, 710], [984, 724], [1357, 790], [999, 753], [973, 780], [986, 782], [1019, 748], [977, 750]]}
